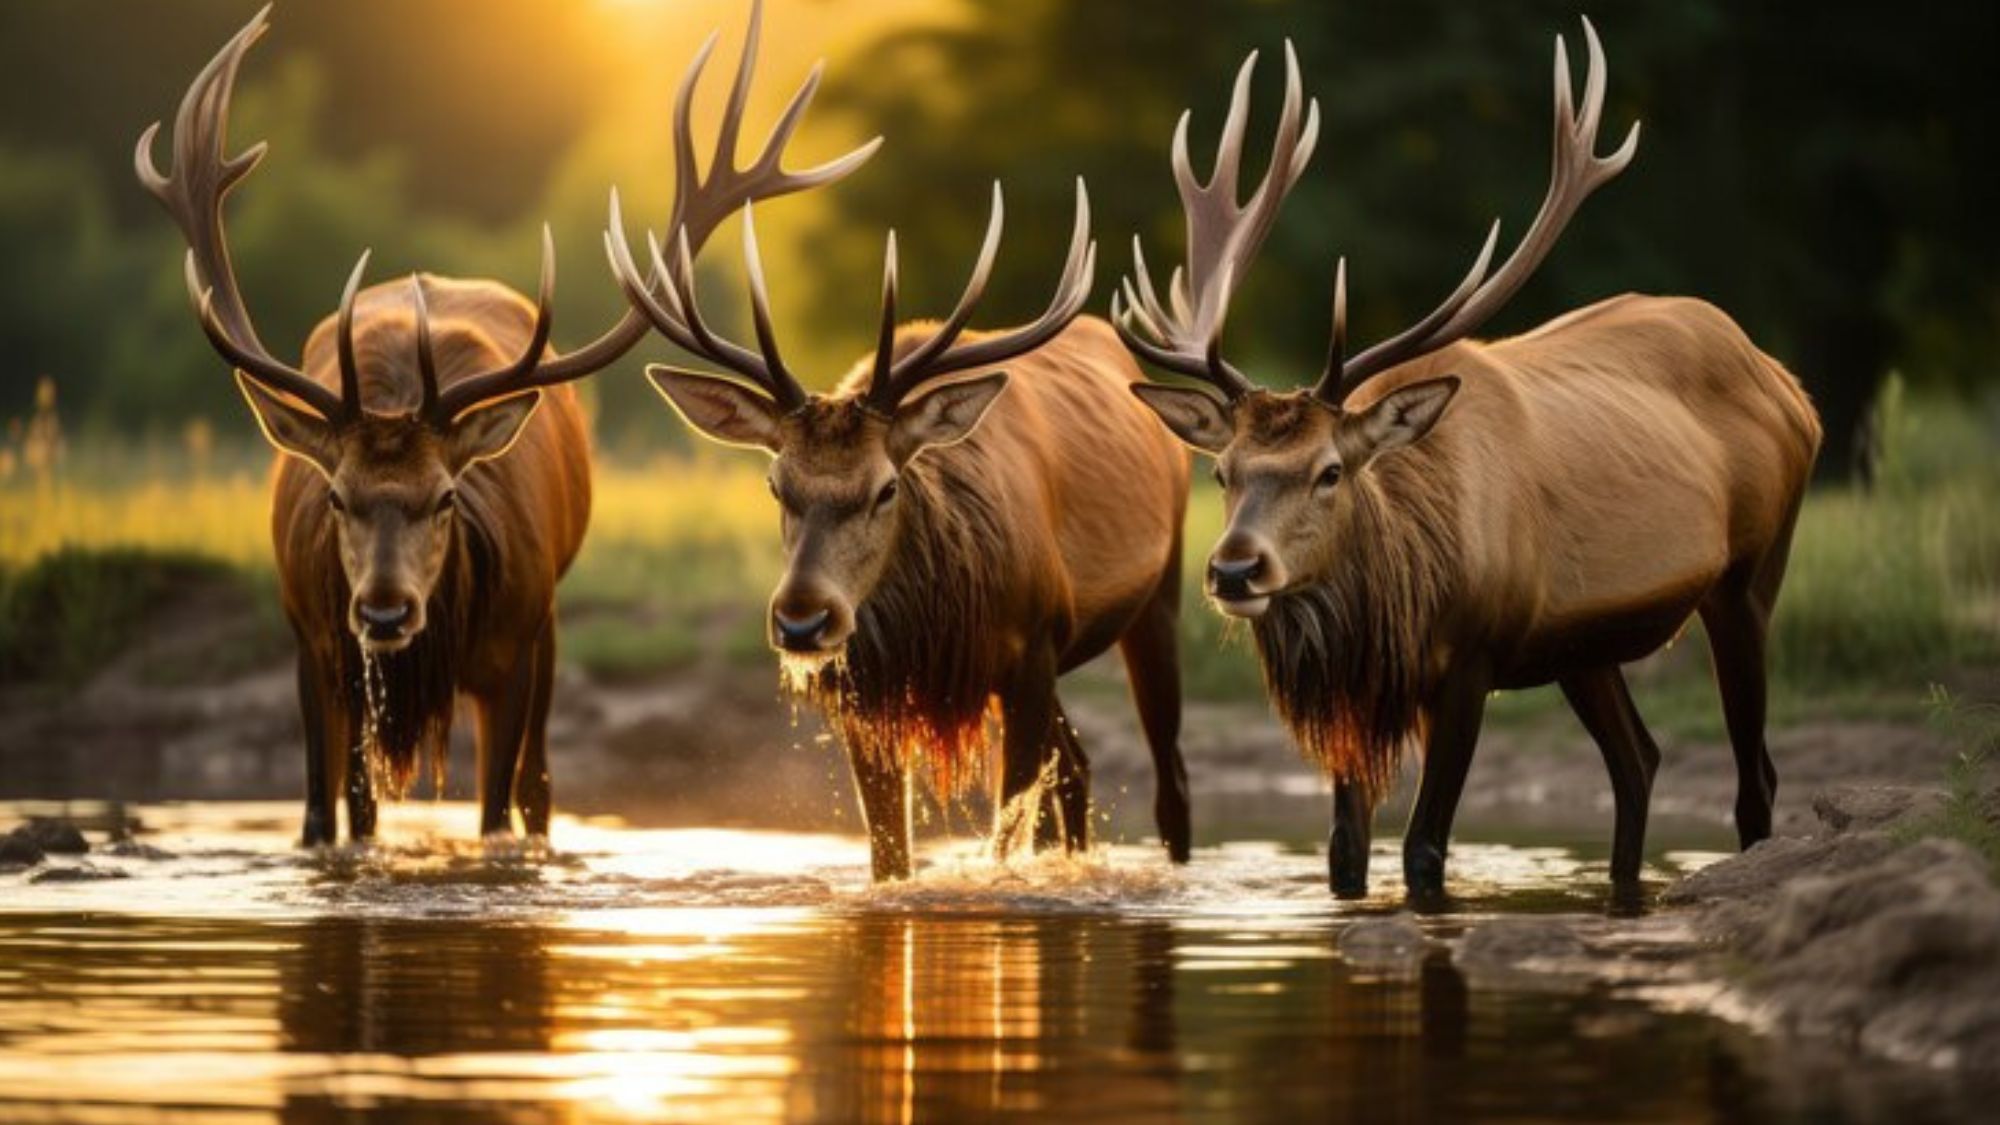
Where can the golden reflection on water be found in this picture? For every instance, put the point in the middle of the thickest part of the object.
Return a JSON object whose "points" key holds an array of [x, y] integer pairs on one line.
{"points": [[743, 977]]}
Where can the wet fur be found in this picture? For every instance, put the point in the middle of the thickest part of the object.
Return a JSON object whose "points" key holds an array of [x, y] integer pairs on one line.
{"points": [[915, 676], [482, 608], [1346, 661]]}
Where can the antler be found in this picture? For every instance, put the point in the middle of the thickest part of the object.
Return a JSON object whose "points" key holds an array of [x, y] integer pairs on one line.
{"points": [[939, 355], [702, 203], [699, 206], [1223, 237], [201, 176], [1576, 171]]}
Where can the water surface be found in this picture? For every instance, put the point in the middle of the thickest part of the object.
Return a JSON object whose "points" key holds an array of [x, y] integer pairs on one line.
{"points": [[634, 974]]}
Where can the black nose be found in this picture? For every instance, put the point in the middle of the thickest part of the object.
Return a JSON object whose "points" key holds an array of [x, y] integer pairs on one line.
{"points": [[1231, 577], [800, 633], [384, 618]]}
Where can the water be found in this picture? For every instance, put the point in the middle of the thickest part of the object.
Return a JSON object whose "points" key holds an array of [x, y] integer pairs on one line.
{"points": [[747, 976]]}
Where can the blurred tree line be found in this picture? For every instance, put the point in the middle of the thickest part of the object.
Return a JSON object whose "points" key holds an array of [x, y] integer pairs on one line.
{"points": [[1824, 172]]}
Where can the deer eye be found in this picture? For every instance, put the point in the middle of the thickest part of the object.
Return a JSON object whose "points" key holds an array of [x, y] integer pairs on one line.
{"points": [[1328, 477], [886, 495]]}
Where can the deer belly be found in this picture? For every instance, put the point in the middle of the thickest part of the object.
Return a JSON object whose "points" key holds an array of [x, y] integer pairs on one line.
{"points": [[1591, 636]]}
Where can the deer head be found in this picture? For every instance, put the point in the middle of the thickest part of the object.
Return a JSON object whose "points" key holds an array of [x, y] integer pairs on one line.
{"points": [[838, 460], [391, 478], [1289, 462]]}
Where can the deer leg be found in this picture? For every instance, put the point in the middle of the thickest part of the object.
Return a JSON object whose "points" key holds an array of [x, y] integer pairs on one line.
{"points": [[502, 721], [320, 828], [885, 806], [1069, 804], [531, 780], [1735, 624], [1602, 700], [1028, 711], [1455, 713], [1347, 846], [1152, 664]]}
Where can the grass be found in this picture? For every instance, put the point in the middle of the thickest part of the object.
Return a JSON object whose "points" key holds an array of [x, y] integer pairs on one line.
{"points": [[1965, 815], [67, 612], [1889, 589]]}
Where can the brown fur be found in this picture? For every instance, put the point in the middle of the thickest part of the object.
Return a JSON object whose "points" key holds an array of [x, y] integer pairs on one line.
{"points": [[1588, 485], [521, 520], [1347, 658], [983, 563]]}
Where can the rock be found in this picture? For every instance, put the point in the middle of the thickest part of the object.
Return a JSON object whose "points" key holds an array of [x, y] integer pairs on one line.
{"points": [[1519, 943], [55, 837], [1864, 808], [83, 874], [1899, 955], [1383, 943], [132, 849], [16, 849], [1775, 863]]}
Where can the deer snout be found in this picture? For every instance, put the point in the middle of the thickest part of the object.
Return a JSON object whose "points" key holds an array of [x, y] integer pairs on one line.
{"points": [[809, 625], [1242, 575], [386, 621]]}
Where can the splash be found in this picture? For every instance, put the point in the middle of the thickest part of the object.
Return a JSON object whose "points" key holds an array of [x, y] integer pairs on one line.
{"points": [[800, 674], [375, 705], [1014, 822]]}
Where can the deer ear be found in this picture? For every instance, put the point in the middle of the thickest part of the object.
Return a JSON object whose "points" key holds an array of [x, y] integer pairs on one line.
{"points": [[488, 430], [1195, 417], [719, 408], [301, 433], [1406, 414], [942, 416]]}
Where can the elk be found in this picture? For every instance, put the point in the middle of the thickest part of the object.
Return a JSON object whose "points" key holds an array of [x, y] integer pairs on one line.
{"points": [[1438, 518], [950, 548], [435, 478]]}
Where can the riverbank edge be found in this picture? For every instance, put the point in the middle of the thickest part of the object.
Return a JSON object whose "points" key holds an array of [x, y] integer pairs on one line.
{"points": [[1868, 932]]}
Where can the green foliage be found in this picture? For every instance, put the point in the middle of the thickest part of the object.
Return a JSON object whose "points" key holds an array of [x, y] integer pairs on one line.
{"points": [[63, 616], [1968, 814]]}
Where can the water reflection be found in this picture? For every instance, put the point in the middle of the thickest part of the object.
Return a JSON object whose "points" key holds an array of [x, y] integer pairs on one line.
{"points": [[635, 983]]}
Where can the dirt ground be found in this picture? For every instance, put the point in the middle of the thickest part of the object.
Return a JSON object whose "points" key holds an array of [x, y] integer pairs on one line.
{"points": [[715, 743]]}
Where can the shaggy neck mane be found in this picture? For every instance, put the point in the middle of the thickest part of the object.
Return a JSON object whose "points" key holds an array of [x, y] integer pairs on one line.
{"points": [[404, 703], [922, 661], [1345, 659]]}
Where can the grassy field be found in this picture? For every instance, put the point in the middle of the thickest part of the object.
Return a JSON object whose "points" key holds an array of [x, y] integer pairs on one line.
{"points": [[1890, 589]]}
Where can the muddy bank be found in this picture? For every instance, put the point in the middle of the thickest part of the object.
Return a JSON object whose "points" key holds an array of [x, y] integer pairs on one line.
{"points": [[200, 705], [1865, 932]]}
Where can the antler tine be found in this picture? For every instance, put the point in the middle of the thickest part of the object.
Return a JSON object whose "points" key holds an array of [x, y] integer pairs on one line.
{"points": [[678, 314], [1223, 235], [1072, 290], [528, 370], [1336, 384], [426, 355], [783, 384], [704, 202], [701, 202], [975, 290], [1336, 346], [666, 296], [350, 365], [882, 376], [1575, 172], [193, 192]]}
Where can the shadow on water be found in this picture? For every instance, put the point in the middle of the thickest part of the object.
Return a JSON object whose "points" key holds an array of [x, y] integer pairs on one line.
{"points": [[679, 976]]}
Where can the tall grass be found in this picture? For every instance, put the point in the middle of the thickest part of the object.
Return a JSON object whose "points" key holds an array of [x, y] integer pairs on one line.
{"points": [[1888, 590]]}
